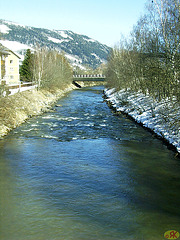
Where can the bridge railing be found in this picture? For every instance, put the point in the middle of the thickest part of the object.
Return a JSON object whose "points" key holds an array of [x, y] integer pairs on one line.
{"points": [[89, 76]]}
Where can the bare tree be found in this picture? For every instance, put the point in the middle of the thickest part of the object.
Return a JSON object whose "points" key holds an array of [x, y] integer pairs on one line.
{"points": [[150, 60], [51, 69]]}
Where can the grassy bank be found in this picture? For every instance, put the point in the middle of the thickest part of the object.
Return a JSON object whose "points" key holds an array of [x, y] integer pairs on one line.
{"points": [[17, 108]]}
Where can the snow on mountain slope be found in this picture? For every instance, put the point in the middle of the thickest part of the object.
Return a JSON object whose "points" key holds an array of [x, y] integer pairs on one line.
{"points": [[16, 47], [55, 40], [4, 29], [13, 23], [80, 49], [63, 34]]}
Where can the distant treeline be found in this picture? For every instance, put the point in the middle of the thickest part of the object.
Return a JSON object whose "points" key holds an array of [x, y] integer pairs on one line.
{"points": [[149, 60], [49, 69]]}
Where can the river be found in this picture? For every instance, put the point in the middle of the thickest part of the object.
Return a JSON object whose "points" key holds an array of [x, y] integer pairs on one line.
{"points": [[81, 172]]}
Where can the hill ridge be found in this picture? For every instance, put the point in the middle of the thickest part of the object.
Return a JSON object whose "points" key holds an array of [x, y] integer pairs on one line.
{"points": [[79, 49]]}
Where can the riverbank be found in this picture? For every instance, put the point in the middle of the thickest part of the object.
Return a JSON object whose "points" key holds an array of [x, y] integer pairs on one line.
{"points": [[162, 117], [16, 109]]}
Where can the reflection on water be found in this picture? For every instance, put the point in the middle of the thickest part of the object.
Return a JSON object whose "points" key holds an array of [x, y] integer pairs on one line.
{"points": [[83, 173]]}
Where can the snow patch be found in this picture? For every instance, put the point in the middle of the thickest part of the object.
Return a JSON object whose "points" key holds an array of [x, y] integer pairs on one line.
{"points": [[16, 47], [55, 40], [4, 29], [75, 61], [78, 65], [14, 23], [89, 40], [97, 57], [73, 58], [63, 34]]}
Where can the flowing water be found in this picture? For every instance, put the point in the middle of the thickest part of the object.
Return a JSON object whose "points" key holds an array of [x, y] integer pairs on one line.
{"points": [[82, 172]]}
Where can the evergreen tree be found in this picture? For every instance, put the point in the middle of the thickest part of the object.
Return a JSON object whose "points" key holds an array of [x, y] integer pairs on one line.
{"points": [[26, 67]]}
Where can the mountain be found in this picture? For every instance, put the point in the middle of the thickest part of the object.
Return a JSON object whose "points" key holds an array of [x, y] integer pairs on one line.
{"points": [[79, 49]]}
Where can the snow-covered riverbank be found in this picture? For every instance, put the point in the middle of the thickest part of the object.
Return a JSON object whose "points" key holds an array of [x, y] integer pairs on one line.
{"points": [[163, 117]]}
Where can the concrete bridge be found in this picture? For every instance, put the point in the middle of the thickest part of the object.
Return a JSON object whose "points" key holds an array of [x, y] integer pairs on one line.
{"points": [[88, 77]]}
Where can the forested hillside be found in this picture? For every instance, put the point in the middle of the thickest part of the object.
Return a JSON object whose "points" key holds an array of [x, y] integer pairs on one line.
{"points": [[79, 49]]}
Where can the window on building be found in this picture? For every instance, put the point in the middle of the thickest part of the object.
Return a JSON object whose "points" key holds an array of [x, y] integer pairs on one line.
{"points": [[11, 61]]}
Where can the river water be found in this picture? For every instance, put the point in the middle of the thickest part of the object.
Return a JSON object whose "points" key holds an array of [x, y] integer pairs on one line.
{"points": [[82, 172]]}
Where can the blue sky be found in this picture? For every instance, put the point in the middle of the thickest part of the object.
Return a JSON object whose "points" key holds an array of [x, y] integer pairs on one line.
{"points": [[103, 20]]}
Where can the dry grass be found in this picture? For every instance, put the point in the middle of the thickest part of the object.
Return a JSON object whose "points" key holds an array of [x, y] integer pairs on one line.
{"points": [[17, 108]]}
